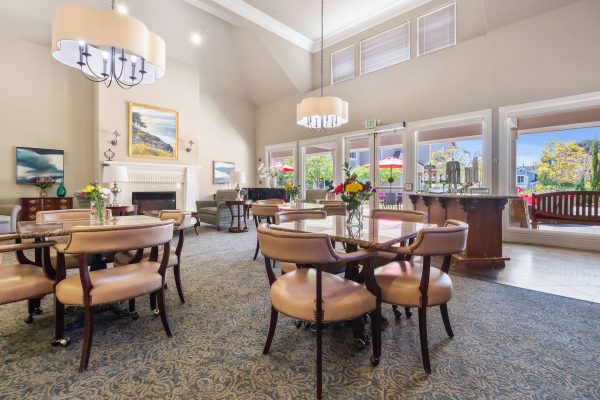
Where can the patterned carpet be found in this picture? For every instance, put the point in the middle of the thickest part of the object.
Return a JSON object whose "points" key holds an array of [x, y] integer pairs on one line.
{"points": [[510, 343]]}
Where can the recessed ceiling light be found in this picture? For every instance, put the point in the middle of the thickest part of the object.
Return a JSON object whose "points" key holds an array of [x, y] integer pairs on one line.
{"points": [[196, 38], [122, 9]]}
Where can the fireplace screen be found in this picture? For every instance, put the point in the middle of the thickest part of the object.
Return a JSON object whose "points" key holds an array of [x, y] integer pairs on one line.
{"points": [[154, 201]]}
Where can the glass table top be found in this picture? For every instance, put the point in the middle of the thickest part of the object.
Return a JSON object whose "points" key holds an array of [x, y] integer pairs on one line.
{"points": [[376, 234], [33, 230], [300, 206]]}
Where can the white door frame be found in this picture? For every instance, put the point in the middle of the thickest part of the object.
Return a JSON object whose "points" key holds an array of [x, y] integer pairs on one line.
{"points": [[280, 146]]}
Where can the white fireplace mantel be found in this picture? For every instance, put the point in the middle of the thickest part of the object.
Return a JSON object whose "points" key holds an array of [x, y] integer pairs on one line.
{"points": [[143, 174]]}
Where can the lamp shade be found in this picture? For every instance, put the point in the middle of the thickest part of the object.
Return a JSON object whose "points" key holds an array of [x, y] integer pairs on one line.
{"points": [[238, 177], [322, 112], [115, 173]]}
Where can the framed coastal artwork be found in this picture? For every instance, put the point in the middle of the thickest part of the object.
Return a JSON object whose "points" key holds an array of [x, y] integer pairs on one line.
{"points": [[33, 163], [153, 132], [222, 172]]}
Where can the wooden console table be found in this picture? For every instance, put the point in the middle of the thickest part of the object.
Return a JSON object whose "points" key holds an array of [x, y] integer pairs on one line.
{"points": [[31, 205], [483, 213], [243, 213]]}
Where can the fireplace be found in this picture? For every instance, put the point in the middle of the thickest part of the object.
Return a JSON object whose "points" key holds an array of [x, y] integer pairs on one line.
{"points": [[154, 201]]}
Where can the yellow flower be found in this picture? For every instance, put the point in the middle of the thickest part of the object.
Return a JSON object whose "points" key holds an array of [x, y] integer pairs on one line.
{"points": [[88, 189], [288, 186], [354, 187]]}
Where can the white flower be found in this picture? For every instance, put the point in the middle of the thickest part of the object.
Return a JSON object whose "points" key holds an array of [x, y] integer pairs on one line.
{"points": [[105, 191]]}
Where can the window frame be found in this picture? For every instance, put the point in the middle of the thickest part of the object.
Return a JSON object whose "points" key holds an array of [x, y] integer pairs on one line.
{"points": [[360, 48], [419, 54], [353, 46]]}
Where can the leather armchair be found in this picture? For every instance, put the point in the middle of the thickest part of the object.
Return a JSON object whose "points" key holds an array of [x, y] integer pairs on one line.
{"points": [[216, 212], [9, 215], [313, 195]]}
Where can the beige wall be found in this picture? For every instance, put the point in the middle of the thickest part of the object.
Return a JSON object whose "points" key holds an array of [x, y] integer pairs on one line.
{"points": [[43, 104], [548, 56], [220, 124]]}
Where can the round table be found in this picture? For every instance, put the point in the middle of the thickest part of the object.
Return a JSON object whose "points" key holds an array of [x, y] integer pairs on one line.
{"points": [[300, 206], [244, 214]]}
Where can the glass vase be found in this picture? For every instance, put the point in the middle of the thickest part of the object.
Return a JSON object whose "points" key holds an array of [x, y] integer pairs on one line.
{"points": [[43, 192], [355, 216], [293, 200], [61, 191], [98, 212]]}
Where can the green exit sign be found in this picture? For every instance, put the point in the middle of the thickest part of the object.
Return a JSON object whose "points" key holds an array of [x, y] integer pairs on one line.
{"points": [[370, 123]]}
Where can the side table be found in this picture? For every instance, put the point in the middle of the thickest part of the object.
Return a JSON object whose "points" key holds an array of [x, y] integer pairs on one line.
{"points": [[244, 214], [123, 210]]}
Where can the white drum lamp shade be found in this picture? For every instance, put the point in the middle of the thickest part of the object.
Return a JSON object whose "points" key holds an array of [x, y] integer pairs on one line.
{"points": [[238, 177], [322, 112], [115, 173]]}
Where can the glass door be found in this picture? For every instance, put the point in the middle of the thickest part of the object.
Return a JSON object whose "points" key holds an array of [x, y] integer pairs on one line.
{"points": [[284, 160], [358, 156], [389, 169], [318, 165]]}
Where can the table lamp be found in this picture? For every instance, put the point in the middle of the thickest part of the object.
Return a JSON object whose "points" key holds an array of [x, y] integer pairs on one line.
{"points": [[239, 178], [114, 174]]}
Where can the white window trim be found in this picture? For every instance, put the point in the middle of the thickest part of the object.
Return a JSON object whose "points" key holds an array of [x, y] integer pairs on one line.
{"points": [[360, 46], [482, 116], [419, 54], [574, 240], [281, 146], [353, 64]]}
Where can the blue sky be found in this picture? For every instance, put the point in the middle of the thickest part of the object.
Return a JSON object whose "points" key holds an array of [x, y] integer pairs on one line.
{"points": [[529, 147]]}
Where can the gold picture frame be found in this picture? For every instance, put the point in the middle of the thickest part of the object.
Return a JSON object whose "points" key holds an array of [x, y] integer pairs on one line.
{"points": [[153, 132]]}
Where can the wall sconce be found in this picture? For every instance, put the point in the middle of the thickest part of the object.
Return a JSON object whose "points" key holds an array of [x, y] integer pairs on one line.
{"points": [[189, 146], [116, 139]]}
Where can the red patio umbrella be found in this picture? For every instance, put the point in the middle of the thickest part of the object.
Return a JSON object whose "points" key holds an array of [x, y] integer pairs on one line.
{"points": [[287, 168]]}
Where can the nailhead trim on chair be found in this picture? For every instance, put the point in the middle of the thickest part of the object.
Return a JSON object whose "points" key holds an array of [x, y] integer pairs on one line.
{"points": [[292, 235]]}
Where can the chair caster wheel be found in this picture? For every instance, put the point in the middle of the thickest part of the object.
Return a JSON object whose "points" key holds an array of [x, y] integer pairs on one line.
{"points": [[366, 318], [134, 315], [64, 342], [374, 361], [156, 312], [384, 320], [29, 319], [408, 313], [298, 324], [397, 313], [38, 311]]}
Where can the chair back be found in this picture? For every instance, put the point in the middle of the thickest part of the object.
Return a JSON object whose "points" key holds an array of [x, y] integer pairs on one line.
{"points": [[114, 238], [333, 207], [262, 210], [296, 247], [225, 195], [448, 240], [312, 195], [77, 214], [270, 201], [182, 218], [298, 215], [400, 215]]}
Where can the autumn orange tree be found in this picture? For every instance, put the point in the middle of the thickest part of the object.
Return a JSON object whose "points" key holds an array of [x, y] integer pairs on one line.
{"points": [[563, 165]]}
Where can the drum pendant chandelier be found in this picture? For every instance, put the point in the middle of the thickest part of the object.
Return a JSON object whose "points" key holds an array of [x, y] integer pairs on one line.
{"points": [[324, 112], [107, 46]]}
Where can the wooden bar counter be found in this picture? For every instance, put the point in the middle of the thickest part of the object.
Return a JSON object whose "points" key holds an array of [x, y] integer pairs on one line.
{"points": [[483, 213]]}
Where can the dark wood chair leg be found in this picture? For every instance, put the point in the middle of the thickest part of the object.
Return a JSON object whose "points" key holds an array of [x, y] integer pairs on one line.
{"points": [[257, 249], [131, 305], [423, 336], [219, 228], [376, 333], [30, 311], [446, 319], [160, 295], [59, 324], [407, 312], [272, 326], [153, 303], [177, 274], [88, 333]]}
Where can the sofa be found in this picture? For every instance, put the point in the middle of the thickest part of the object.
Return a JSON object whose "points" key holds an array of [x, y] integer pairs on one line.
{"points": [[216, 212], [9, 215]]}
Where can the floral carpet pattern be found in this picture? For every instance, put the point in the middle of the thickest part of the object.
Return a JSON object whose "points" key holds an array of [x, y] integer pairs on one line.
{"points": [[509, 343]]}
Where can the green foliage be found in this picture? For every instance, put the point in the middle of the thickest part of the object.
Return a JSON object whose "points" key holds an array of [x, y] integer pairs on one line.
{"points": [[564, 165], [318, 170], [595, 175]]}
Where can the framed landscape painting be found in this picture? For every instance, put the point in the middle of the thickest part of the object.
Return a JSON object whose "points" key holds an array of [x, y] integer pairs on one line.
{"points": [[222, 172], [33, 163], [153, 132]]}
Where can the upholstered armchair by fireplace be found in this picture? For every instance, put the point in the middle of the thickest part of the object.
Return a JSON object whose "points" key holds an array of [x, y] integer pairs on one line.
{"points": [[9, 215], [216, 212]]}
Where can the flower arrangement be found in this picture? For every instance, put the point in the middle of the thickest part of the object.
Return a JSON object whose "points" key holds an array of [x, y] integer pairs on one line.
{"points": [[265, 172], [292, 190], [354, 194], [97, 196], [43, 184]]}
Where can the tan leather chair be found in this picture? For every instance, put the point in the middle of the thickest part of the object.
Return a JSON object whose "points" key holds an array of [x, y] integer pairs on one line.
{"points": [[182, 220], [267, 202], [25, 280], [71, 215], [309, 293], [404, 284], [111, 285], [333, 207], [260, 213]]}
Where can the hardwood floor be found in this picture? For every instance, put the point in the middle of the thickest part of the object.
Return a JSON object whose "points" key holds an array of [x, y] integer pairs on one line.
{"points": [[563, 272]]}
